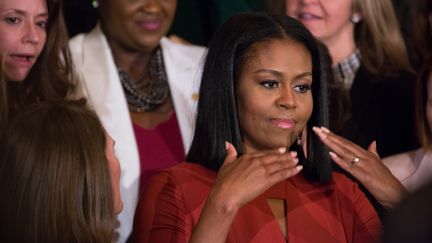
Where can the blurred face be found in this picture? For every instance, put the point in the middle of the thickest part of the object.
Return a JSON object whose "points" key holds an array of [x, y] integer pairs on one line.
{"points": [[326, 19], [115, 171], [273, 94], [137, 25], [429, 102], [22, 35]]}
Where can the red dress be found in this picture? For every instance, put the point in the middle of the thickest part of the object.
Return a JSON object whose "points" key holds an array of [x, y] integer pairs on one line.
{"points": [[336, 212], [159, 148]]}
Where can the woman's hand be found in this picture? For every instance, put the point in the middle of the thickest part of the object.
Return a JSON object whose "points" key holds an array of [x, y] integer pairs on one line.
{"points": [[242, 179], [365, 165]]}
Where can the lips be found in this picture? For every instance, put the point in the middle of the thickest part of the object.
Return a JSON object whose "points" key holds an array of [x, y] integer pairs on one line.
{"points": [[284, 123], [22, 59], [308, 16], [150, 24]]}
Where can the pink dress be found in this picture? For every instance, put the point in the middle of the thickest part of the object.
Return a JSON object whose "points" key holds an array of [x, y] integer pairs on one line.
{"points": [[159, 148]]}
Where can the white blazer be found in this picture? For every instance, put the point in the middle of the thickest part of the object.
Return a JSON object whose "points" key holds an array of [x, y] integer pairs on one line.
{"points": [[100, 84]]}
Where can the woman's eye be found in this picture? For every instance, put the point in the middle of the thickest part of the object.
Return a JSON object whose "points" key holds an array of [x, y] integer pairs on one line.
{"points": [[302, 88], [13, 20], [270, 84], [42, 24]]}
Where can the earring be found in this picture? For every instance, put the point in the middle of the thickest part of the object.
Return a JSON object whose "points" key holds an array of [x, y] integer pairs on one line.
{"points": [[299, 140], [355, 18], [95, 3]]}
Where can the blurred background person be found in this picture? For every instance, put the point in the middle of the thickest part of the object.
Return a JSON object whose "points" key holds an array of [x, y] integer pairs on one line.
{"points": [[59, 176], [143, 88], [411, 221], [34, 55], [371, 64], [414, 168], [415, 18]]}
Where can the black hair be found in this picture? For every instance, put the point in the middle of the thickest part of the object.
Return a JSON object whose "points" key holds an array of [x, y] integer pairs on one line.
{"points": [[217, 118]]}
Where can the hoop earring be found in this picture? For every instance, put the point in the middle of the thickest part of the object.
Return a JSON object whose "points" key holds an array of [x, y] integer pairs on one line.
{"points": [[355, 18]]}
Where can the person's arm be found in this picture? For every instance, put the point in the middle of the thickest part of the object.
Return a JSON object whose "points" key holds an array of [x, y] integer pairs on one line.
{"points": [[239, 181], [366, 166], [367, 227]]}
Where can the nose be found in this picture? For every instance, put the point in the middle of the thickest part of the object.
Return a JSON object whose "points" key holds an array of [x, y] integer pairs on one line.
{"points": [[286, 99], [31, 36], [152, 6]]}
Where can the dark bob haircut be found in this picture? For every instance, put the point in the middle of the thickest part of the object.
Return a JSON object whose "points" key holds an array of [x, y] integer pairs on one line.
{"points": [[217, 118]]}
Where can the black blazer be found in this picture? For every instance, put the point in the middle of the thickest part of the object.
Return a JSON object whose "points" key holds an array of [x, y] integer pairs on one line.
{"points": [[382, 109]]}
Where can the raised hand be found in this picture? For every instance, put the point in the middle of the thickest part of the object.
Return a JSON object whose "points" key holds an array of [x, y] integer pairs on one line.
{"points": [[243, 179], [365, 165], [240, 180]]}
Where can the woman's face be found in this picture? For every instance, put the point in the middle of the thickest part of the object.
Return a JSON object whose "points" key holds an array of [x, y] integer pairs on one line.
{"points": [[22, 36], [274, 94], [326, 19], [429, 102], [137, 25], [115, 171]]}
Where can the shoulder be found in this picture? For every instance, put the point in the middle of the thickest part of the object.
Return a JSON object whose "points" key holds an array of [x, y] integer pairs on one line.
{"points": [[348, 188], [343, 183], [192, 53], [95, 38], [186, 177], [402, 165]]}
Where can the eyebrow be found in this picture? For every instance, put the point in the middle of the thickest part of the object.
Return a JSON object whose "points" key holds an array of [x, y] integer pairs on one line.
{"points": [[280, 74], [21, 12]]}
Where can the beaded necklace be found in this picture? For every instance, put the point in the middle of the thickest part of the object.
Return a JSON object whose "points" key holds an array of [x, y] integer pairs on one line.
{"points": [[140, 100]]}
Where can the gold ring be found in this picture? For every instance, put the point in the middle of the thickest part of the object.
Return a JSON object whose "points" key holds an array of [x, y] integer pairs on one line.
{"points": [[355, 160]]}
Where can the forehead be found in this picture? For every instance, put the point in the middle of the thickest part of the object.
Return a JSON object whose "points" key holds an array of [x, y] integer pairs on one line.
{"points": [[31, 6], [286, 53]]}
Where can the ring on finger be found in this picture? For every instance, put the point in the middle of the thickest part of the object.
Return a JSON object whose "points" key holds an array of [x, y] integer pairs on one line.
{"points": [[355, 160]]}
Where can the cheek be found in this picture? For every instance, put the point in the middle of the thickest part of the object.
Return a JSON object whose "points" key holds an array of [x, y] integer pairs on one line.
{"points": [[7, 43], [291, 7], [43, 38]]}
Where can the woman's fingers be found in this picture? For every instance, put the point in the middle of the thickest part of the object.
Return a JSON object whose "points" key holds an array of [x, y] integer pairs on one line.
{"points": [[273, 164], [343, 150], [284, 174], [231, 155], [249, 175]]}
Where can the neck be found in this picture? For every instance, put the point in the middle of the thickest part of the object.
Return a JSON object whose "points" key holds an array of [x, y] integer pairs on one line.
{"points": [[340, 47], [133, 62]]}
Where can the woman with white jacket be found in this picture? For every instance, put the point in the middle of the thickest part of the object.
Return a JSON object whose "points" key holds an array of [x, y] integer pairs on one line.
{"points": [[143, 88]]}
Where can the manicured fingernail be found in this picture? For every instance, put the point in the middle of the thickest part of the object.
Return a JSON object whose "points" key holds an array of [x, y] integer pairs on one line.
{"points": [[325, 129], [226, 145], [299, 167], [296, 160], [282, 150], [293, 154], [316, 129], [332, 154]]}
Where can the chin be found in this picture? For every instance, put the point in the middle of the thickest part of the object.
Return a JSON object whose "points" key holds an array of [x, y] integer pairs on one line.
{"points": [[16, 77]]}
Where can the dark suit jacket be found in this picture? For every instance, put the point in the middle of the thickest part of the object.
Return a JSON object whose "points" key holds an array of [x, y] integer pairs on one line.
{"points": [[382, 109]]}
